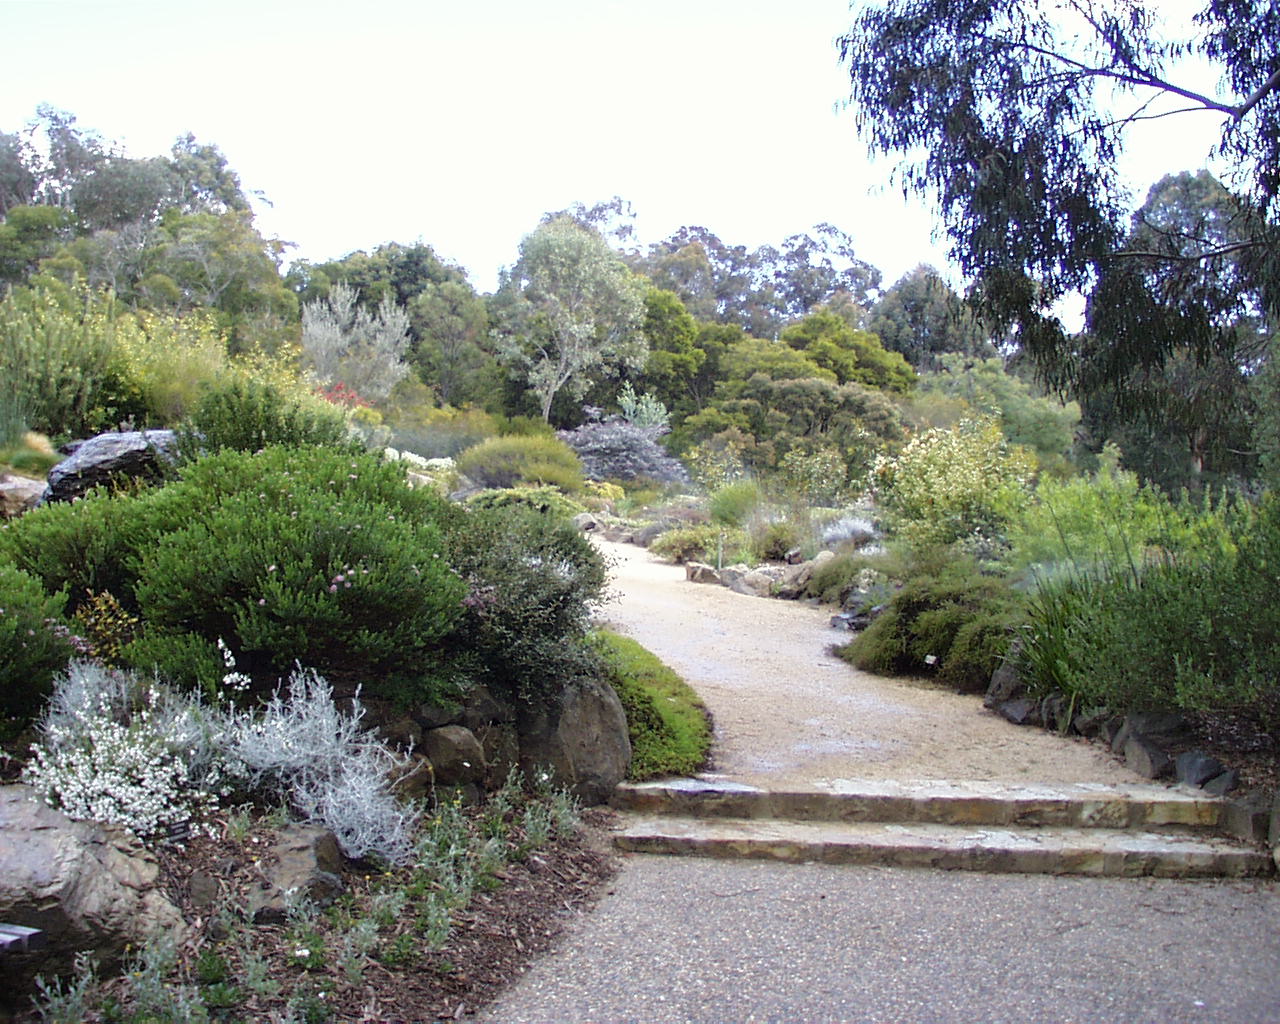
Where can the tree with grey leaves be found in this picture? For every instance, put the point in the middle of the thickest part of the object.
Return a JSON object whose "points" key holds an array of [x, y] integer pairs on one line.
{"points": [[344, 343]]}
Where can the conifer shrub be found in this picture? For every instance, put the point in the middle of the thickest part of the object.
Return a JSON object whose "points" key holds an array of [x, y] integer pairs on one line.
{"points": [[305, 564], [34, 646], [244, 414], [949, 621], [620, 450], [669, 727], [513, 461], [531, 579]]}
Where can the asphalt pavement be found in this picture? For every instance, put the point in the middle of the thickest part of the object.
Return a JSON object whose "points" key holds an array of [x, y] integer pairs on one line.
{"points": [[696, 940]]}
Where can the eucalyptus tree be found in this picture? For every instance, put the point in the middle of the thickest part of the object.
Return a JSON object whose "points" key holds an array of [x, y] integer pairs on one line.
{"points": [[1011, 115], [569, 312]]}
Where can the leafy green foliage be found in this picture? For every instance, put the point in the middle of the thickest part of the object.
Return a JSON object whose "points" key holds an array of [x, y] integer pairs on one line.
{"points": [[668, 725], [1191, 628], [515, 460], [700, 543], [550, 500], [531, 579], [948, 484], [570, 312], [948, 621], [34, 646], [308, 554], [1009, 130], [852, 355], [57, 360]]}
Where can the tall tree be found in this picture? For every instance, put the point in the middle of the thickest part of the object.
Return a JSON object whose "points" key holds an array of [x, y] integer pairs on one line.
{"points": [[1011, 114], [922, 317], [571, 312], [451, 325]]}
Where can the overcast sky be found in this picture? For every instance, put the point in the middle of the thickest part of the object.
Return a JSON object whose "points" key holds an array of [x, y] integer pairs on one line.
{"points": [[460, 123]]}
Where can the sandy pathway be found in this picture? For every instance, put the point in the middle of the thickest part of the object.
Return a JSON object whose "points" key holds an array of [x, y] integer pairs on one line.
{"points": [[789, 714]]}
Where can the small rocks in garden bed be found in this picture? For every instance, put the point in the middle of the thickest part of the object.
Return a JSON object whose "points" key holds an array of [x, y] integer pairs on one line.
{"points": [[700, 572], [1143, 756], [1221, 785], [1196, 768], [1006, 683], [1021, 711], [1091, 723]]}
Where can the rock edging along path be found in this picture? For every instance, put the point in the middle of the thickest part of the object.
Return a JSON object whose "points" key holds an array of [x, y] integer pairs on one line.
{"points": [[790, 715]]}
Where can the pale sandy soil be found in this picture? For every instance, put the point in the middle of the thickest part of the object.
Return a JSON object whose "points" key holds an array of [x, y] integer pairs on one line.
{"points": [[790, 714]]}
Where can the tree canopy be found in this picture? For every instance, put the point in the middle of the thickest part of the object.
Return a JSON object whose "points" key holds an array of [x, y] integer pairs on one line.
{"points": [[1011, 114]]}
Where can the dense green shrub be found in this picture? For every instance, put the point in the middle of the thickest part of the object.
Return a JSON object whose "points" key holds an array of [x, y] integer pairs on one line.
{"points": [[669, 727], [34, 646], [948, 621], [292, 573], [1192, 628], [515, 460], [541, 499], [247, 415], [703, 542], [531, 580], [771, 540], [82, 547], [56, 353], [249, 548], [733, 503], [949, 484]]}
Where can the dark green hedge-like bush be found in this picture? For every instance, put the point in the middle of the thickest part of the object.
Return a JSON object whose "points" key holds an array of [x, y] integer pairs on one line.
{"points": [[311, 554], [949, 621], [34, 646], [522, 460], [531, 580]]}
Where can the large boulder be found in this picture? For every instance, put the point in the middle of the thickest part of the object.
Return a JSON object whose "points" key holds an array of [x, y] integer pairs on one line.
{"points": [[87, 886], [18, 494], [101, 459], [581, 738], [456, 756]]}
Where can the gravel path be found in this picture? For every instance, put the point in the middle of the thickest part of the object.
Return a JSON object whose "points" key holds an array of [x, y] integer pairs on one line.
{"points": [[788, 713], [697, 940]]}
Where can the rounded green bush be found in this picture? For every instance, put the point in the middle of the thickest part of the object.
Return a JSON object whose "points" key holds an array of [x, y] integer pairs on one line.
{"points": [[518, 460], [249, 415], [305, 561]]}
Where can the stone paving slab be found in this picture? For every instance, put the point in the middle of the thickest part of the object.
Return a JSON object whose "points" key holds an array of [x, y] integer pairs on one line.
{"points": [[1020, 850], [1080, 805]]}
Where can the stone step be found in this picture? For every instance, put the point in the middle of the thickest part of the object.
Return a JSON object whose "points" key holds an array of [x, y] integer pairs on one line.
{"points": [[1050, 850], [1088, 806]]}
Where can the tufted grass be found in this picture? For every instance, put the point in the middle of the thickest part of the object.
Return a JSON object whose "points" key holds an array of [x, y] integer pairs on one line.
{"points": [[670, 728]]}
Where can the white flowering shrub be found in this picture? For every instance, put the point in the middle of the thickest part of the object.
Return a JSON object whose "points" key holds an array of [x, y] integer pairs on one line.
{"points": [[115, 750], [305, 749]]}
